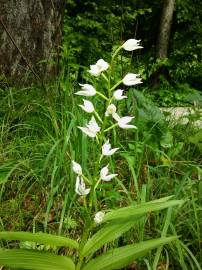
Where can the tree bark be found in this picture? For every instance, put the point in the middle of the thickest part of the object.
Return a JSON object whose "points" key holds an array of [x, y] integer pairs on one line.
{"points": [[30, 33], [164, 31]]}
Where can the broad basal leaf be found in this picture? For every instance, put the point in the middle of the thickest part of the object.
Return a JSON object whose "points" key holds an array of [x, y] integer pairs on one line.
{"points": [[40, 238], [107, 234], [141, 209], [34, 260], [123, 256]]}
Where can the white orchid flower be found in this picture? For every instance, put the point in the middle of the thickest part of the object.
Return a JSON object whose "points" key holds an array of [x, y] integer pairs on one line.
{"points": [[131, 45], [80, 187], [76, 167], [94, 70], [87, 90], [116, 116], [110, 110], [99, 216], [131, 79], [100, 66], [87, 106], [91, 128], [118, 94], [106, 149], [104, 174], [123, 122]]}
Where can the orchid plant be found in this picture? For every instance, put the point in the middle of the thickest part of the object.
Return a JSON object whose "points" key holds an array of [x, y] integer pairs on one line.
{"points": [[107, 224]]}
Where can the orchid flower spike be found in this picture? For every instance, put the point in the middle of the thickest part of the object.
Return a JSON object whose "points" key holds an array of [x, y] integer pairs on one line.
{"points": [[99, 67], [76, 167], [118, 95], [131, 79], [87, 106], [80, 187], [106, 149], [123, 122], [91, 128], [87, 90], [99, 216], [131, 45], [104, 174], [110, 110]]}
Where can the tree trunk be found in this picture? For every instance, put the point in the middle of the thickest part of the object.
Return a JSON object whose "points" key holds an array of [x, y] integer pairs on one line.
{"points": [[164, 31], [30, 33]]}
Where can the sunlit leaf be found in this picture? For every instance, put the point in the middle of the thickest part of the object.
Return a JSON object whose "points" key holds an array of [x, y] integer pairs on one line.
{"points": [[40, 238], [34, 260], [141, 209], [123, 256], [107, 234]]}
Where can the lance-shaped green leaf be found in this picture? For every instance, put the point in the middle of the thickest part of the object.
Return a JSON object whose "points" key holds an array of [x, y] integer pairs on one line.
{"points": [[120, 222], [123, 256], [34, 260], [141, 209], [107, 234], [40, 238]]}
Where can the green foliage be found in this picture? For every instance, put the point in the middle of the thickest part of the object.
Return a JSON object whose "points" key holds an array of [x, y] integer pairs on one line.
{"points": [[40, 238], [186, 52], [92, 28], [26, 259], [121, 257], [121, 220]]}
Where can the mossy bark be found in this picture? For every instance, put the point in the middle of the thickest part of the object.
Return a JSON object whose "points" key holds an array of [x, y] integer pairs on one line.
{"points": [[30, 35]]}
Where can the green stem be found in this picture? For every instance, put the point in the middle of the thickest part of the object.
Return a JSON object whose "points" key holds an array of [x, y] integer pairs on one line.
{"points": [[117, 84], [101, 95], [83, 241], [105, 77], [98, 117], [111, 127], [116, 52]]}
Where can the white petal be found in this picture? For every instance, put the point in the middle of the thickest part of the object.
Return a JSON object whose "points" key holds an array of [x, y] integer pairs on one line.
{"points": [[102, 65], [111, 109], [131, 45], [80, 187], [116, 117], [106, 149], [86, 90], [128, 127], [123, 122], [104, 171], [88, 132], [118, 94], [109, 177], [87, 106], [76, 167], [82, 93], [93, 126], [111, 152], [94, 70], [131, 79], [99, 216], [104, 174]]}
